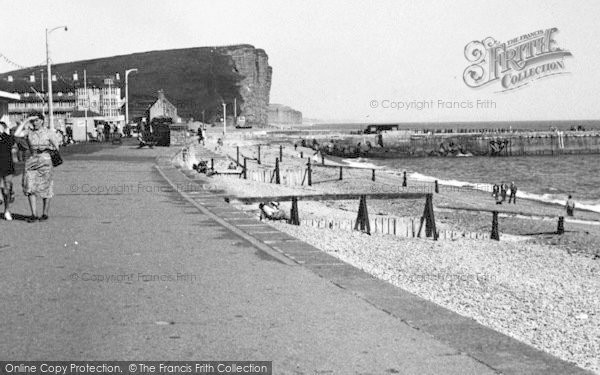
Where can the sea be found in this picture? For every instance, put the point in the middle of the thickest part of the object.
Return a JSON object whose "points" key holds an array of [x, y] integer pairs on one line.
{"points": [[543, 178]]}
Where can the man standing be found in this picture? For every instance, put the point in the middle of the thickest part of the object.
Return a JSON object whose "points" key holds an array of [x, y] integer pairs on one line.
{"points": [[503, 189], [69, 131], [100, 132], [570, 206], [106, 132], [200, 136], [513, 193], [496, 193]]}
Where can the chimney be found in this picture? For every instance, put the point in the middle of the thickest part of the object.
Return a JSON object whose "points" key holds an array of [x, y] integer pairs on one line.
{"points": [[161, 94]]}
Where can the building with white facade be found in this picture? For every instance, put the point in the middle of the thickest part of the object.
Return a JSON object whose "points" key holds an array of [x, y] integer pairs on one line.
{"points": [[103, 100]]}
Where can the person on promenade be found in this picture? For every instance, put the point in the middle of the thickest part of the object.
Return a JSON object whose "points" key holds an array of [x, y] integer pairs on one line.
{"points": [[200, 136], [100, 132], [570, 206], [69, 131], [503, 190], [496, 193], [145, 139], [513, 193], [7, 168], [37, 177], [106, 132]]}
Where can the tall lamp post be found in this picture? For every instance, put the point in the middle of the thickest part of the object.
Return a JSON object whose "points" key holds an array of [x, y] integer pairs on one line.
{"points": [[50, 112], [127, 95]]}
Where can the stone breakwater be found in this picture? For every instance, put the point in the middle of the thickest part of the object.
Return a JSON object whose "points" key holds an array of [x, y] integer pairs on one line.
{"points": [[395, 144]]}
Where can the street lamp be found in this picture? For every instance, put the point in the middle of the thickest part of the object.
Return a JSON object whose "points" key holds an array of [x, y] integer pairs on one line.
{"points": [[50, 75], [127, 95]]}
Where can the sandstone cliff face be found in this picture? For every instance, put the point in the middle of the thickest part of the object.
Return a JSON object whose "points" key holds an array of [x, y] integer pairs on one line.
{"points": [[280, 114], [196, 80], [255, 86]]}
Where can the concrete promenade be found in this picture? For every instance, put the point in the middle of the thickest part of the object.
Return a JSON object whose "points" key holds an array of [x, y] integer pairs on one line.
{"points": [[127, 268]]}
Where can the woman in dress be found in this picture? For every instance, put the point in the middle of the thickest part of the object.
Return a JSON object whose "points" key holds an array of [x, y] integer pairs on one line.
{"points": [[37, 177]]}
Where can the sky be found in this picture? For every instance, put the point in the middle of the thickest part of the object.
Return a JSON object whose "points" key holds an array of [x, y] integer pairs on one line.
{"points": [[345, 61]]}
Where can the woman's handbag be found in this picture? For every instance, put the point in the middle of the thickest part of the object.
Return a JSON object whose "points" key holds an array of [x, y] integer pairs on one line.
{"points": [[56, 158]]}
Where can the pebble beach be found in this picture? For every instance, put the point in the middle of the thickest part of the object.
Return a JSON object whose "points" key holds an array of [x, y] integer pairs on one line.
{"points": [[534, 285]]}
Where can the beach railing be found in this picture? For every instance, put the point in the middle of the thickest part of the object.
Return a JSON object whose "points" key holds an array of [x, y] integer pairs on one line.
{"points": [[341, 168], [362, 221], [394, 226], [290, 176], [495, 233]]}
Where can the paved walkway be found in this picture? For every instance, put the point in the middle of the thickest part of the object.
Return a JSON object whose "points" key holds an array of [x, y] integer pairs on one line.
{"points": [[127, 268]]}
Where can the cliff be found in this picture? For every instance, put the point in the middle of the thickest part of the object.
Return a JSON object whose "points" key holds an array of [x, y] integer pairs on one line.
{"points": [[195, 80], [280, 114]]}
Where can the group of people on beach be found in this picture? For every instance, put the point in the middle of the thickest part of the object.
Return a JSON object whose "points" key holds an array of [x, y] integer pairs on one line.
{"points": [[500, 191], [39, 142]]}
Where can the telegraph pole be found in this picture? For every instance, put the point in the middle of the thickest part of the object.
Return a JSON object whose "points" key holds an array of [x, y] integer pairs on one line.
{"points": [[224, 118], [87, 103]]}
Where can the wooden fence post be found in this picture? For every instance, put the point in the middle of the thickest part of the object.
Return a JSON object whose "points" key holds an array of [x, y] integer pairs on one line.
{"points": [[212, 164], [495, 234], [309, 171], [237, 155], [258, 159], [561, 225], [362, 219], [404, 180], [294, 215], [281, 152], [277, 175], [429, 219], [373, 175], [245, 169], [341, 175], [437, 188]]}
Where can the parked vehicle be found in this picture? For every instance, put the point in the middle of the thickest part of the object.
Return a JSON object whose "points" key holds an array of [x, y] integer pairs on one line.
{"points": [[378, 128]]}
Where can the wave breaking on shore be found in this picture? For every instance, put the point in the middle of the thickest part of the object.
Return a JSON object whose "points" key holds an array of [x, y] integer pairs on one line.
{"points": [[558, 199]]}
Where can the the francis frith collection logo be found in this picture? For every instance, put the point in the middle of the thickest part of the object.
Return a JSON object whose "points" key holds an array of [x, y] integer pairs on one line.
{"points": [[515, 63]]}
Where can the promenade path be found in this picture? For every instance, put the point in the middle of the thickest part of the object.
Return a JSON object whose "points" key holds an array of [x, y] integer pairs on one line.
{"points": [[126, 269]]}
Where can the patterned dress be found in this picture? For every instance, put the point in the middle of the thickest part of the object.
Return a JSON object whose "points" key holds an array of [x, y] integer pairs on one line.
{"points": [[37, 177]]}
